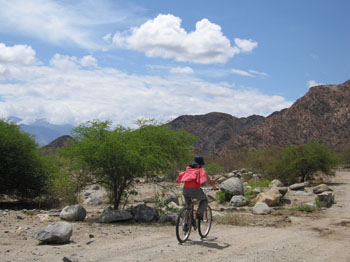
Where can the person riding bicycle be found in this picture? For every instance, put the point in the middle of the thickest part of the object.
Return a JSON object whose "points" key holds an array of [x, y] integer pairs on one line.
{"points": [[194, 177]]}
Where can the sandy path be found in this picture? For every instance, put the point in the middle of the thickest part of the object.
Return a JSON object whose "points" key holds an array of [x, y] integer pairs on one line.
{"points": [[323, 239]]}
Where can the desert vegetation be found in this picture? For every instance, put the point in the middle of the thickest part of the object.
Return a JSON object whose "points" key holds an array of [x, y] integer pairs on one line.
{"points": [[116, 157]]}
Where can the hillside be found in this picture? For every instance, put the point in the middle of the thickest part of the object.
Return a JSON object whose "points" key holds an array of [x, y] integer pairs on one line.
{"points": [[322, 114]]}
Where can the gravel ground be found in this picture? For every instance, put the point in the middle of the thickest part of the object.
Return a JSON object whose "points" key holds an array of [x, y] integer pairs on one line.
{"points": [[323, 237]]}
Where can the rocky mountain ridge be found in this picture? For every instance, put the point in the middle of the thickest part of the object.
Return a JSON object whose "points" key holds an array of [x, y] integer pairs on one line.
{"points": [[322, 114]]}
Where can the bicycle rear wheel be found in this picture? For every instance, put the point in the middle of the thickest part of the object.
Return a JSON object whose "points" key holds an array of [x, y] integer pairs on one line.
{"points": [[204, 224], [183, 225]]}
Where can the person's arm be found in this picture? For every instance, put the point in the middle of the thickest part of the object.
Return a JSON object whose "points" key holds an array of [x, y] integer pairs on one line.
{"points": [[211, 183]]}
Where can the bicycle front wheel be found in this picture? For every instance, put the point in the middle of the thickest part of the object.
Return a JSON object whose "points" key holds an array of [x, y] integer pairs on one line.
{"points": [[204, 224], [183, 225]]}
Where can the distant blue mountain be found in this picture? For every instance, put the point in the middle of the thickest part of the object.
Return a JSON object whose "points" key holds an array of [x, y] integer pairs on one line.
{"points": [[42, 131]]}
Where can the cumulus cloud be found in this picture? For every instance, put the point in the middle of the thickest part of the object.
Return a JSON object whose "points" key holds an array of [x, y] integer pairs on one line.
{"points": [[17, 54], [312, 83], [246, 45], [164, 37], [88, 61], [80, 94], [181, 70]]}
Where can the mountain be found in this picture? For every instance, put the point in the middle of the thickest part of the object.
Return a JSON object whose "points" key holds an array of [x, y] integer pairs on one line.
{"points": [[322, 114], [56, 144], [43, 131]]}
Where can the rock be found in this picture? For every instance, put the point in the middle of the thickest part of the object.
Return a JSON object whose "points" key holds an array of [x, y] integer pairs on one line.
{"points": [[243, 170], [96, 188], [311, 204], [283, 190], [56, 233], [326, 198], [169, 217], [113, 215], [303, 193], [221, 179], [321, 188], [276, 183], [238, 201], [144, 213], [216, 214], [173, 205], [298, 186], [93, 201], [73, 213], [261, 208], [257, 190], [70, 259], [271, 197], [173, 198], [148, 200], [233, 185], [43, 217]]}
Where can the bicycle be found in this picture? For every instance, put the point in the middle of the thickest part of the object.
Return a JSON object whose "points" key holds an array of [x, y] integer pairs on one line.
{"points": [[186, 221]]}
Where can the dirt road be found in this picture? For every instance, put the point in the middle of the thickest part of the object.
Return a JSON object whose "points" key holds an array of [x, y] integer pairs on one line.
{"points": [[306, 239]]}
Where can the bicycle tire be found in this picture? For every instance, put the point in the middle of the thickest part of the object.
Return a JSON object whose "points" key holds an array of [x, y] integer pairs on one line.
{"points": [[204, 225], [181, 234]]}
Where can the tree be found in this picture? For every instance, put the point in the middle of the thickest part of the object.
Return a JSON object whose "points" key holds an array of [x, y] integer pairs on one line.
{"points": [[115, 157], [304, 161], [24, 171]]}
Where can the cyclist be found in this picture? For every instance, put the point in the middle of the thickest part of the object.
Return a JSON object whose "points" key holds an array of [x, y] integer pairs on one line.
{"points": [[194, 177]]}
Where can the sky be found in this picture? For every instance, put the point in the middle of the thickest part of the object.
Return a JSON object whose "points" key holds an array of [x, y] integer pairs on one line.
{"points": [[73, 61]]}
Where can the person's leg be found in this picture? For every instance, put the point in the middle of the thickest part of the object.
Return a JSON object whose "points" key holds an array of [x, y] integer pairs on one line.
{"points": [[202, 204], [198, 194]]}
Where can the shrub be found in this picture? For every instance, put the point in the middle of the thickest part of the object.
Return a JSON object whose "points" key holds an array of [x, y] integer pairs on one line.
{"points": [[25, 173], [223, 196]]}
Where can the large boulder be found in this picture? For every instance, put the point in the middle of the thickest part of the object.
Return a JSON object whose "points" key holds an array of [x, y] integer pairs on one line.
{"points": [[114, 215], [73, 213], [56, 233], [298, 186], [261, 208], [238, 201], [144, 213], [326, 198], [169, 217], [321, 188], [232, 185], [271, 197]]}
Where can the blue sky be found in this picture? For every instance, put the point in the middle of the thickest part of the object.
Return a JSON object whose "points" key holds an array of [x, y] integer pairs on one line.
{"points": [[73, 61]]}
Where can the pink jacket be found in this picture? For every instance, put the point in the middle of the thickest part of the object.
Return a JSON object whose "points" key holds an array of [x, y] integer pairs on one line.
{"points": [[193, 174]]}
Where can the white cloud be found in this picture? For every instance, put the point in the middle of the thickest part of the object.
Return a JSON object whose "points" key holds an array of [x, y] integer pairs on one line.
{"points": [[66, 92], [250, 73], [241, 72], [246, 45], [181, 70], [88, 61], [17, 54], [164, 37], [261, 74], [312, 83], [82, 23]]}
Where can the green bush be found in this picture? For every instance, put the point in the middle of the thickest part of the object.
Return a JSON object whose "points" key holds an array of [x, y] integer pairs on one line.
{"points": [[223, 196], [25, 173]]}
